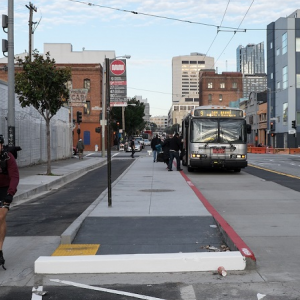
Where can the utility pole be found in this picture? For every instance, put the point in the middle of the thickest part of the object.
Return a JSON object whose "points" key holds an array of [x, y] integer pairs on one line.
{"points": [[31, 9], [11, 76]]}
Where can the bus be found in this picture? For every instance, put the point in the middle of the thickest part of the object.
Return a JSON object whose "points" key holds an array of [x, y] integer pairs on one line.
{"points": [[215, 136]]}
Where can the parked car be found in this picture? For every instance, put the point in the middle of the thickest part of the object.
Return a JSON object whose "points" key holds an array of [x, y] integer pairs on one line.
{"points": [[147, 142], [140, 140], [138, 147]]}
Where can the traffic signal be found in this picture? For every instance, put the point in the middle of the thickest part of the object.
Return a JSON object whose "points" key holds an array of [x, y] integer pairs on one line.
{"points": [[273, 134], [98, 129], [118, 124], [294, 124], [272, 126], [79, 117], [5, 29]]}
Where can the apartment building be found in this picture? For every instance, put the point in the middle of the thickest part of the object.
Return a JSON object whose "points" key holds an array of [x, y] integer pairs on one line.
{"points": [[283, 69], [219, 89]]}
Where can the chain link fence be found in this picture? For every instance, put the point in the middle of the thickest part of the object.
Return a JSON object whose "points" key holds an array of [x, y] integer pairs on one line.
{"points": [[30, 132]]}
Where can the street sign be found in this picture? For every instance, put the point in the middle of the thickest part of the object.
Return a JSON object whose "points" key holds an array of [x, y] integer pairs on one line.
{"points": [[117, 67], [118, 103], [117, 80]]}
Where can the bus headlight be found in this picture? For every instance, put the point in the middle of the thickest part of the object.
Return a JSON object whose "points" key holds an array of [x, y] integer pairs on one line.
{"points": [[243, 156], [194, 155]]}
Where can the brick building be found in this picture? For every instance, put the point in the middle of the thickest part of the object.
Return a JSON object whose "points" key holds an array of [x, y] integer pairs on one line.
{"points": [[87, 76], [219, 89]]}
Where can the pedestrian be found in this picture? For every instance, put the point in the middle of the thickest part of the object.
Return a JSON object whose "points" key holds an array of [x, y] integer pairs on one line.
{"points": [[9, 180], [80, 148], [155, 141], [166, 149], [175, 145], [132, 145]]}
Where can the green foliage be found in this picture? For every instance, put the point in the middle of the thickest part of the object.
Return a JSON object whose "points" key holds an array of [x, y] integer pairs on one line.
{"points": [[134, 122], [41, 84]]}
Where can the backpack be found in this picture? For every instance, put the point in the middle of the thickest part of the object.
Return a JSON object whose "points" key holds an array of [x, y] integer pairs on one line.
{"points": [[4, 156], [12, 149]]}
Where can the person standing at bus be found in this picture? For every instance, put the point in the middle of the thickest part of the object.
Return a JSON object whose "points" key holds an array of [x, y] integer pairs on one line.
{"points": [[166, 149], [155, 141], [175, 145], [132, 146]]}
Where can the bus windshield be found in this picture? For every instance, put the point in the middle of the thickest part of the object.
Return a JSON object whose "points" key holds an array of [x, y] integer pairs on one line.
{"points": [[215, 130]]}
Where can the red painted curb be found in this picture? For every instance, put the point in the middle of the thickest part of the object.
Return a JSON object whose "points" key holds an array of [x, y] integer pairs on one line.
{"points": [[235, 238]]}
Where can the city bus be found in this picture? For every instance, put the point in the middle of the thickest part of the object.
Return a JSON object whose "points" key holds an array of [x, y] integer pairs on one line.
{"points": [[215, 136]]}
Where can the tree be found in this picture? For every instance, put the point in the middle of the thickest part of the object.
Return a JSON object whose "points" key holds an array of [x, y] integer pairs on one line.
{"points": [[134, 122], [43, 86]]}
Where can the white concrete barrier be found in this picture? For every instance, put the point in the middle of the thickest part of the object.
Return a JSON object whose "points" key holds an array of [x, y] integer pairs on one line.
{"points": [[140, 263]]}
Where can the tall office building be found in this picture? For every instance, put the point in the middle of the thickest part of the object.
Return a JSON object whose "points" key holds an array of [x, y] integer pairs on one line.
{"points": [[185, 83], [283, 69], [250, 59]]}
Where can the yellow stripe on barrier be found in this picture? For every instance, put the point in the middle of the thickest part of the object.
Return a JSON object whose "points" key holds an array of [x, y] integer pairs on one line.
{"points": [[76, 249]]}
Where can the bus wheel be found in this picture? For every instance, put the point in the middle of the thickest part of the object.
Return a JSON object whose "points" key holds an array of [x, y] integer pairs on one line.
{"points": [[190, 169], [237, 170]]}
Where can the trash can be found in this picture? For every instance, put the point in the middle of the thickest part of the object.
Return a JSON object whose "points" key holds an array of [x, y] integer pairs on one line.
{"points": [[96, 148]]}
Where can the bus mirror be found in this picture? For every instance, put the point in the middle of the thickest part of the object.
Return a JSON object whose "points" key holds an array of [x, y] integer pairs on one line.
{"points": [[248, 127]]}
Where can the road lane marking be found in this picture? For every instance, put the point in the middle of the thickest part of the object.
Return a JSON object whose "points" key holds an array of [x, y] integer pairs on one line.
{"points": [[187, 293], [90, 287], [276, 172]]}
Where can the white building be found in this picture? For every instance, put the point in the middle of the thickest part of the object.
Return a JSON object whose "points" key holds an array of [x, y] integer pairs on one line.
{"points": [[147, 108], [160, 121], [185, 84]]}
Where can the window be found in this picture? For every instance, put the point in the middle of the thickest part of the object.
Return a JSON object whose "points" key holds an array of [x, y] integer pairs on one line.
{"points": [[298, 81], [220, 97], [271, 45], [285, 77], [298, 44], [284, 43], [87, 84], [188, 99], [210, 85], [222, 85], [87, 108], [234, 85], [278, 51], [182, 107], [209, 98], [278, 85], [176, 108], [271, 75]]}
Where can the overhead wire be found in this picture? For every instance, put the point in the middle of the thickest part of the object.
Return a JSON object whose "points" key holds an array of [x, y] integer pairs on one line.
{"points": [[218, 30], [229, 28]]}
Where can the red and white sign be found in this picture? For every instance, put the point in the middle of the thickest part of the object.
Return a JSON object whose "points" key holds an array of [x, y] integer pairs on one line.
{"points": [[117, 67]]}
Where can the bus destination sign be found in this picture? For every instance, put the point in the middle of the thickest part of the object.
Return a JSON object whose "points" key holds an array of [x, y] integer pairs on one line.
{"points": [[219, 113]]}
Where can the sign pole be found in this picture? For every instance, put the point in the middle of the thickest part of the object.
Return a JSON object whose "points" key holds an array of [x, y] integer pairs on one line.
{"points": [[108, 133]]}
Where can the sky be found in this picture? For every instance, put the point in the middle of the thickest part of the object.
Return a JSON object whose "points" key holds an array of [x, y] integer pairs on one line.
{"points": [[157, 31]]}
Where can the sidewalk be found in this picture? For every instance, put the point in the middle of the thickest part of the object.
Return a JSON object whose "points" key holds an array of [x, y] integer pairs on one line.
{"points": [[158, 222]]}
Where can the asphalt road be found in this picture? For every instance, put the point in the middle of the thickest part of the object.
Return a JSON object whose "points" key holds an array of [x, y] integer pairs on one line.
{"points": [[52, 213]]}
